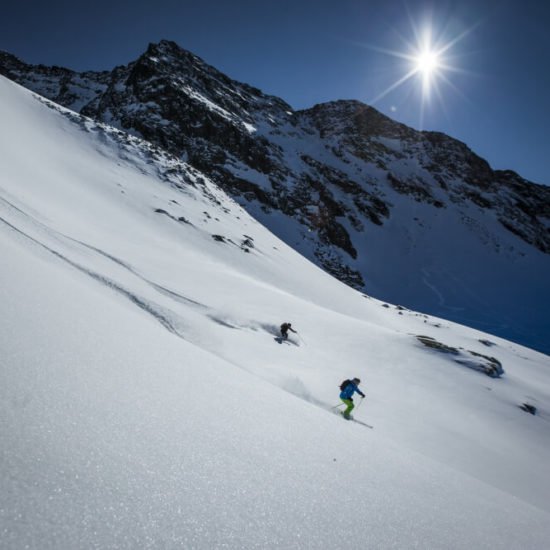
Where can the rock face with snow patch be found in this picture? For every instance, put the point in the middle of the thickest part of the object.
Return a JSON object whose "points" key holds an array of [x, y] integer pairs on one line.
{"points": [[412, 217]]}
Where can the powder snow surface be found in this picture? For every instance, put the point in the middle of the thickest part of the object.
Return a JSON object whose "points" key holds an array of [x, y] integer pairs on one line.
{"points": [[145, 402]]}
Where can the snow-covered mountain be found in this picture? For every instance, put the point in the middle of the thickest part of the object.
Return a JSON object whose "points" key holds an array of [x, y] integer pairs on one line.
{"points": [[370, 200], [146, 402], [411, 217]]}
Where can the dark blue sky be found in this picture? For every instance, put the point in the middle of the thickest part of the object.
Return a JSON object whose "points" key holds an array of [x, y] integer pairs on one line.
{"points": [[310, 51]]}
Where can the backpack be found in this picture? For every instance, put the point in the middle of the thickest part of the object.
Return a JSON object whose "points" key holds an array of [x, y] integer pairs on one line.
{"points": [[345, 384]]}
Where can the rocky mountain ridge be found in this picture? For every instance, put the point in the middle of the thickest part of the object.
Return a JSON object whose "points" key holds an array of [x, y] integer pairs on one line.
{"points": [[409, 216]]}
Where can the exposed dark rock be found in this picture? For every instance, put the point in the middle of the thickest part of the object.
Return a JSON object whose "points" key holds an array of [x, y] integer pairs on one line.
{"points": [[413, 188], [491, 366], [247, 244], [180, 219], [531, 409], [492, 360], [432, 343], [487, 343], [476, 361]]}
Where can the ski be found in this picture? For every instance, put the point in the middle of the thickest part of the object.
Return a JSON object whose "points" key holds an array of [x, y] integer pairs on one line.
{"points": [[339, 413], [287, 341], [362, 423]]}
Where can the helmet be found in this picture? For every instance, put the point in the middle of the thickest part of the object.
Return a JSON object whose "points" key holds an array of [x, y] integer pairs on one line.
{"points": [[356, 380]]}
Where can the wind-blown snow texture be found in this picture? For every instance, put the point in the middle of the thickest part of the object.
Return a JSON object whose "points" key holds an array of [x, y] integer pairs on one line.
{"points": [[415, 218], [145, 402]]}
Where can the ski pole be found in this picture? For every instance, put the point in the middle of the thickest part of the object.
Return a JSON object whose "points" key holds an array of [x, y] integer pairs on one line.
{"points": [[336, 406], [359, 403]]}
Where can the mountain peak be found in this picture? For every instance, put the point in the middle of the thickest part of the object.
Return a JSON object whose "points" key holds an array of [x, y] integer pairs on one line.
{"points": [[165, 45], [355, 116], [168, 50]]}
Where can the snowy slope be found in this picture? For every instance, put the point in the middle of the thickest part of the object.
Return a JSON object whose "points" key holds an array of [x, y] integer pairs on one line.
{"points": [[146, 403]]}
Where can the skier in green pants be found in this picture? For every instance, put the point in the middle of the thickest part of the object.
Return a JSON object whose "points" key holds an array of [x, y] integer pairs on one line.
{"points": [[348, 388]]}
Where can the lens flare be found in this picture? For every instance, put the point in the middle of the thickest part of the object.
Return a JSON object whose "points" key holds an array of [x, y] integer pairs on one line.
{"points": [[426, 58], [427, 63]]}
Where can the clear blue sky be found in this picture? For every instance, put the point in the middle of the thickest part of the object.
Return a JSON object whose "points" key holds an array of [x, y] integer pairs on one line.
{"points": [[310, 51]]}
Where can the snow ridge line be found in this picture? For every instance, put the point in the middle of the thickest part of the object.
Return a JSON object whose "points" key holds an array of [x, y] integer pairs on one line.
{"points": [[159, 288], [149, 307]]}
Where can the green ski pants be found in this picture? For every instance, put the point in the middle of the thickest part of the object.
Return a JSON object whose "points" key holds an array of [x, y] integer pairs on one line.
{"points": [[350, 406]]}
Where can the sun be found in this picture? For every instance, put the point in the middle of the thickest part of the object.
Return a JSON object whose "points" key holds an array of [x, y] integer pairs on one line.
{"points": [[426, 63], [427, 59]]}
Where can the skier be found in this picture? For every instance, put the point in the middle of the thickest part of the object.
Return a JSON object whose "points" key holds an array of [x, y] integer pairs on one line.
{"points": [[348, 388], [285, 327]]}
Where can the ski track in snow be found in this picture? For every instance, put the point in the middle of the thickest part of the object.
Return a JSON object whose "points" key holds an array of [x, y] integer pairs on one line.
{"points": [[158, 313], [425, 280], [149, 307]]}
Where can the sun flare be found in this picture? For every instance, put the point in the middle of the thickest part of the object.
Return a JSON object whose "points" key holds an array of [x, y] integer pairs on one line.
{"points": [[427, 63], [427, 60]]}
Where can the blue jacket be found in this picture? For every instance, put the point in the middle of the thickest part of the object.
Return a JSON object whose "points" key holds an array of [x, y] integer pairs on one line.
{"points": [[349, 390]]}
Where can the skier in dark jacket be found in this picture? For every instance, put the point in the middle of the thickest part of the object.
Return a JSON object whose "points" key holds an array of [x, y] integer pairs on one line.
{"points": [[285, 327], [348, 388]]}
